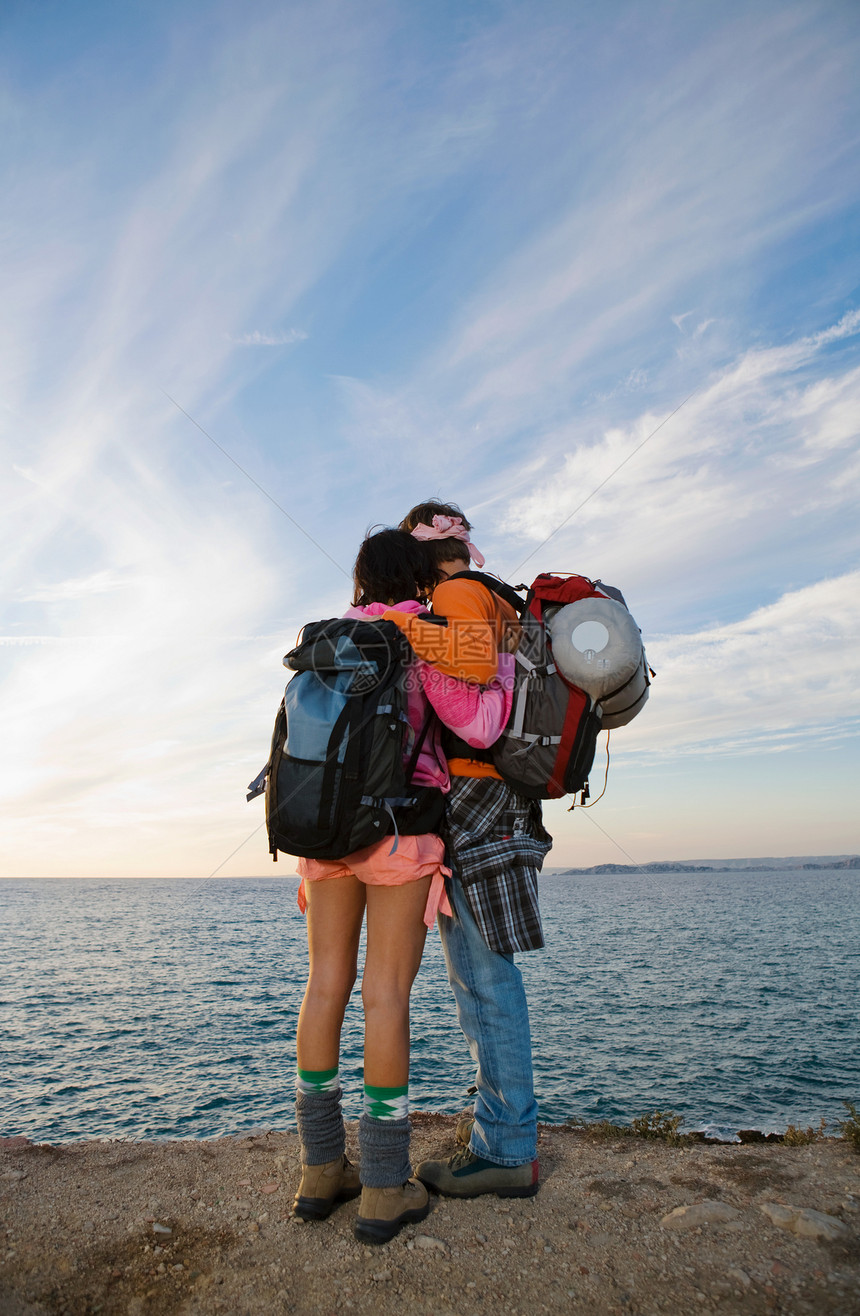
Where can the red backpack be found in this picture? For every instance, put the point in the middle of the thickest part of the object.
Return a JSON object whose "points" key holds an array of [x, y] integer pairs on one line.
{"points": [[547, 748]]}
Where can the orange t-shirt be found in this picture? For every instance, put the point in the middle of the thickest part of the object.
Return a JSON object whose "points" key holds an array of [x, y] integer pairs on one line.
{"points": [[467, 647]]}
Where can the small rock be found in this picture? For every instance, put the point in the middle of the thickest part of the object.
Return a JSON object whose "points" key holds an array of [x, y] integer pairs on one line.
{"points": [[14, 1174], [740, 1276], [804, 1222], [780, 1215], [699, 1213], [161, 1229], [381, 1275], [426, 1241], [270, 1187], [819, 1225]]}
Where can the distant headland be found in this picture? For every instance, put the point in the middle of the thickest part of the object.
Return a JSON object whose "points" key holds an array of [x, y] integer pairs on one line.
{"points": [[796, 862]]}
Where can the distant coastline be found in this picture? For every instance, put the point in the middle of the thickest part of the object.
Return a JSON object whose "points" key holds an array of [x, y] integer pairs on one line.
{"points": [[798, 864]]}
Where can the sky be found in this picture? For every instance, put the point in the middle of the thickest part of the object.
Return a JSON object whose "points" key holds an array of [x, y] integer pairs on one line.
{"points": [[273, 273]]}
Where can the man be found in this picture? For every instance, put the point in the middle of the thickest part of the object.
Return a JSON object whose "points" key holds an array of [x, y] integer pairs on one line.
{"points": [[496, 844]]}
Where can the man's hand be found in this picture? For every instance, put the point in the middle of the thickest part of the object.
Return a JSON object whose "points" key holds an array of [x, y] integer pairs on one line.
{"points": [[511, 636]]}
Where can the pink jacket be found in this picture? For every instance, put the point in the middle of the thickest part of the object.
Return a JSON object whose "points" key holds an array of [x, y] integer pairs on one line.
{"points": [[476, 713]]}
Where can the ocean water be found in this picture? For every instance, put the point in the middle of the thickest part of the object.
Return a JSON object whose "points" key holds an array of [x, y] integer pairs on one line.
{"points": [[161, 1009]]}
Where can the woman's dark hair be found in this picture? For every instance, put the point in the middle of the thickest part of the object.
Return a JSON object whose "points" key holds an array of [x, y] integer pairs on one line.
{"points": [[392, 566], [440, 550]]}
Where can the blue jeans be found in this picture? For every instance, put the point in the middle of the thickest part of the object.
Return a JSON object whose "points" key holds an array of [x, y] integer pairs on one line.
{"points": [[494, 1015]]}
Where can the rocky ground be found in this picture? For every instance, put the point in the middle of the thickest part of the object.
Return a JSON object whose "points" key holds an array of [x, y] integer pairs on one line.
{"points": [[619, 1226]]}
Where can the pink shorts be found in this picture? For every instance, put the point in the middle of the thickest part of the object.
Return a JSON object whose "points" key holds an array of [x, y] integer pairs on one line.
{"points": [[414, 858]]}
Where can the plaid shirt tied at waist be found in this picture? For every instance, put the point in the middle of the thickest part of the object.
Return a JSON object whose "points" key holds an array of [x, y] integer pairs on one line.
{"points": [[496, 846]]}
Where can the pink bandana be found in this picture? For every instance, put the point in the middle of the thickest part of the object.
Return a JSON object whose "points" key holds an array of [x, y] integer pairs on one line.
{"points": [[449, 527]]}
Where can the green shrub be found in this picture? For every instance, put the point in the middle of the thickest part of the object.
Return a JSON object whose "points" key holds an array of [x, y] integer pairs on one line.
{"points": [[660, 1124], [850, 1128], [797, 1137], [601, 1128]]}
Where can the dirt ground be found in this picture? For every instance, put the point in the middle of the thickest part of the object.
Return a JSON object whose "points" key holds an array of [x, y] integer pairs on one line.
{"points": [[762, 1229]]}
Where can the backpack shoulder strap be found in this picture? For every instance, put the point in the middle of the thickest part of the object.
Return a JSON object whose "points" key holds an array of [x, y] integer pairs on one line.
{"points": [[498, 587], [417, 747]]}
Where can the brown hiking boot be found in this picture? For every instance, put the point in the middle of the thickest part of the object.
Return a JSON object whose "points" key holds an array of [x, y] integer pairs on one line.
{"points": [[468, 1175], [382, 1212], [465, 1124], [323, 1186]]}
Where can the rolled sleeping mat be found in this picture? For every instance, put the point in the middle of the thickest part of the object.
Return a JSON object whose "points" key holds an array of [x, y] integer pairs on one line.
{"points": [[597, 646]]}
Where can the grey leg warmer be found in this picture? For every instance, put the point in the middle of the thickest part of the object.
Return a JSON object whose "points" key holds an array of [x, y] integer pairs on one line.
{"points": [[384, 1151], [320, 1122]]}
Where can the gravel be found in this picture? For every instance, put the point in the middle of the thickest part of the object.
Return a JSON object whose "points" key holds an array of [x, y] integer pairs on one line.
{"points": [[763, 1229]]}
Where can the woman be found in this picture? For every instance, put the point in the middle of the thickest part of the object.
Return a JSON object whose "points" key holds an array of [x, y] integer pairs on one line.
{"points": [[401, 893]]}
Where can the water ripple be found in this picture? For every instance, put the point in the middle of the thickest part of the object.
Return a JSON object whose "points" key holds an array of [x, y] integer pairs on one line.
{"points": [[162, 1009]]}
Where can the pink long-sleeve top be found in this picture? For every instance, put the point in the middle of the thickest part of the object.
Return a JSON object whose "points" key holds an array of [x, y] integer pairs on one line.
{"points": [[476, 713]]}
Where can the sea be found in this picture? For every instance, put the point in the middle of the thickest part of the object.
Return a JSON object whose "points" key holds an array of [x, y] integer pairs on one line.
{"points": [[167, 1008]]}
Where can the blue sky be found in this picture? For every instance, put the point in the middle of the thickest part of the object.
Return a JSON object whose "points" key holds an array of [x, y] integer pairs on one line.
{"points": [[390, 251]]}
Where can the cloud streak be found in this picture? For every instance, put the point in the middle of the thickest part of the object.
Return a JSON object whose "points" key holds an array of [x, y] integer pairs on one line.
{"points": [[507, 249], [259, 339], [788, 672]]}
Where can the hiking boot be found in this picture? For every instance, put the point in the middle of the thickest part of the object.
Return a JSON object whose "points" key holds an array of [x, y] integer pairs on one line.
{"points": [[323, 1186], [465, 1124], [382, 1212], [468, 1175]]}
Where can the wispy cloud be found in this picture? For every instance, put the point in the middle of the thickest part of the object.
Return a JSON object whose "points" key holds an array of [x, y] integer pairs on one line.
{"points": [[81, 587], [485, 232], [259, 339], [784, 673], [684, 210], [763, 444]]}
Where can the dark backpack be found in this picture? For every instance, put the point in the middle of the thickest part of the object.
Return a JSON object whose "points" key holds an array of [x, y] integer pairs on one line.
{"points": [[547, 747], [335, 781]]}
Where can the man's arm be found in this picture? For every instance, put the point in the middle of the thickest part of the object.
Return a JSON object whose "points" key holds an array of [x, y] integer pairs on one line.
{"points": [[466, 647], [477, 714]]}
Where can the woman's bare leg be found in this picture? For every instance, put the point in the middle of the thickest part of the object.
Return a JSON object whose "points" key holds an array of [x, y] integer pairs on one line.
{"points": [[335, 913], [395, 944]]}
